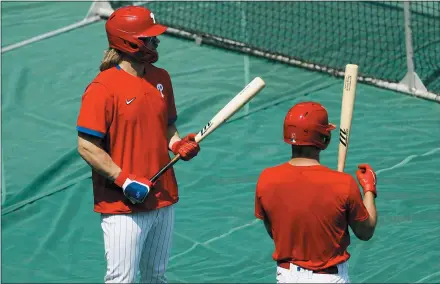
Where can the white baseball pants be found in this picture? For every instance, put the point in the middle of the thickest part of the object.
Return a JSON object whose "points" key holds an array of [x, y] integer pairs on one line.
{"points": [[301, 275], [138, 243]]}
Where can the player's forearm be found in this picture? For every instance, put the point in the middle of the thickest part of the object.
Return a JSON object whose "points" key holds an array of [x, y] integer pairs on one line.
{"points": [[370, 204], [98, 159], [172, 135]]}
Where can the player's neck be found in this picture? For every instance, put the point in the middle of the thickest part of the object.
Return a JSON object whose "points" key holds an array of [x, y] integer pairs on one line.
{"points": [[304, 162], [132, 67], [304, 156]]}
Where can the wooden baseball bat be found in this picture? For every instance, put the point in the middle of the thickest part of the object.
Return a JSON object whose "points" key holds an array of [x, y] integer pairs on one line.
{"points": [[250, 91], [348, 97]]}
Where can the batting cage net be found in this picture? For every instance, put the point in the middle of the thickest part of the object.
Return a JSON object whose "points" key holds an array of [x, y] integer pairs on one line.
{"points": [[323, 36]]}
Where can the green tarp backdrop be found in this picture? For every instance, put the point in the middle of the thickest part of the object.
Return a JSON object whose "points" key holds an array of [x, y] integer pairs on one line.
{"points": [[51, 234]]}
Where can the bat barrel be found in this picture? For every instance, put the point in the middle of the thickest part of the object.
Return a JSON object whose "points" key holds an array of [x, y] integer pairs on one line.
{"points": [[234, 105], [250, 91], [347, 107]]}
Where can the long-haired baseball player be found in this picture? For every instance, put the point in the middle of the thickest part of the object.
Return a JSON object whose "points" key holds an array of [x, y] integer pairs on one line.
{"points": [[126, 126], [307, 207]]}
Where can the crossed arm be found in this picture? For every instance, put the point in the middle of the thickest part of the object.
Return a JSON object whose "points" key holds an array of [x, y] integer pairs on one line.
{"points": [[92, 151]]}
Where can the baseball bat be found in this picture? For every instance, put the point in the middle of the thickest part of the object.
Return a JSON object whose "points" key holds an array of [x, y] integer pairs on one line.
{"points": [[250, 91], [348, 97]]}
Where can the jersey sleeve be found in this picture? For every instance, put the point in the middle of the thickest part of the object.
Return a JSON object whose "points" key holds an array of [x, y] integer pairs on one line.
{"points": [[171, 105], [96, 111], [356, 208], [259, 210]]}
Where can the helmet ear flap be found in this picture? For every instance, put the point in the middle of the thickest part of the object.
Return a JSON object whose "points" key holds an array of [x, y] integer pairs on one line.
{"points": [[326, 140], [132, 45]]}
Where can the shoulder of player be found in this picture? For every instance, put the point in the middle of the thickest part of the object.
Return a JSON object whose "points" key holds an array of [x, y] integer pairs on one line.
{"points": [[160, 72], [342, 182], [105, 78], [270, 174], [271, 170], [340, 177], [108, 79], [107, 75], [96, 88]]}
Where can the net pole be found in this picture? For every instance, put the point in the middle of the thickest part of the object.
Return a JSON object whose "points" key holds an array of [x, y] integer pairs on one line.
{"points": [[52, 33], [3, 183], [411, 78], [246, 63], [408, 44]]}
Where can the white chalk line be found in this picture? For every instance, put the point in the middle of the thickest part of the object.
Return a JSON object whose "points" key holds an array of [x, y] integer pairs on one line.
{"points": [[230, 232], [195, 243], [407, 160]]}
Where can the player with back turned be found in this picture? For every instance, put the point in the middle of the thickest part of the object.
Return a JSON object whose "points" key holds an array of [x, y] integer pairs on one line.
{"points": [[307, 207], [126, 126]]}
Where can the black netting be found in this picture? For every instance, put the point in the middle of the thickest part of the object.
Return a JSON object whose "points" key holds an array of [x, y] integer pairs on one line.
{"points": [[330, 34], [425, 23]]}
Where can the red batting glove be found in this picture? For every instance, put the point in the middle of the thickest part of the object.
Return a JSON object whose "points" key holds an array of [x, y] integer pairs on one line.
{"points": [[188, 148], [367, 178]]}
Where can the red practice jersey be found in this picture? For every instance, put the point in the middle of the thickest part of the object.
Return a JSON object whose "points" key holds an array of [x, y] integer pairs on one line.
{"points": [[131, 115], [309, 208]]}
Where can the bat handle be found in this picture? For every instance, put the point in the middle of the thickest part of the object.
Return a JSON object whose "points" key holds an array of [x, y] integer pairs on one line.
{"points": [[164, 169]]}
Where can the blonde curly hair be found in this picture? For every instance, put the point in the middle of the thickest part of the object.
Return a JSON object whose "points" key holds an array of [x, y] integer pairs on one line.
{"points": [[112, 57]]}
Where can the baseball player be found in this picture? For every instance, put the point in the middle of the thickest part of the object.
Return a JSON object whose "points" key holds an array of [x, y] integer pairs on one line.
{"points": [[126, 126], [307, 207]]}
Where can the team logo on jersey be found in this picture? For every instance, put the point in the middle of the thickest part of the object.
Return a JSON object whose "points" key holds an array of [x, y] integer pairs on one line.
{"points": [[160, 88]]}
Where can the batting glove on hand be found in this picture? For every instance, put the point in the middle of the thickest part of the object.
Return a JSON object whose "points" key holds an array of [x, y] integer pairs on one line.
{"points": [[135, 189], [367, 178], [188, 148]]}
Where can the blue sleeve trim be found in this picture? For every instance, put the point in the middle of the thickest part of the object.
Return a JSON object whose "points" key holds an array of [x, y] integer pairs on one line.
{"points": [[172, 120], [90, 132]]}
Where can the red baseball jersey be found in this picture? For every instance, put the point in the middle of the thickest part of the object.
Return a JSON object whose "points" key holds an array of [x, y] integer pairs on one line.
{"points": [[131, 115], [309, 208]]}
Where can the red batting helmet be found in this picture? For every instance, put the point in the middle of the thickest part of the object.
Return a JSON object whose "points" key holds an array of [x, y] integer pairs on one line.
{"points": [[127, 26], [307, 123]]}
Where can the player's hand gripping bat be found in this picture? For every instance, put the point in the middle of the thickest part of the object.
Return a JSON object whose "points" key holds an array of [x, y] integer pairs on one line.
{"points": [[250, 91]]}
